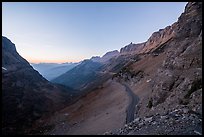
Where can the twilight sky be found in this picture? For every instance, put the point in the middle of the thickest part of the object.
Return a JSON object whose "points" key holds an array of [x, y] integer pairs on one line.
{"points": [[73, 31]]}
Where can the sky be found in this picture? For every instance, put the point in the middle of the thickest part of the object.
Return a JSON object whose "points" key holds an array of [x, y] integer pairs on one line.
{"points": [[73, 31]]}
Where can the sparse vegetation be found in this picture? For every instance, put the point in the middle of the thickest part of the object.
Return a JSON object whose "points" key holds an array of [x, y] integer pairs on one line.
{"points": [[183, 101], [150, 104]]}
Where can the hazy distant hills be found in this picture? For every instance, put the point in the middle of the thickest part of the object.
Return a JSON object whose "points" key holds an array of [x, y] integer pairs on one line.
{"points": [[53, 70], [89, 71], [79, 75]]}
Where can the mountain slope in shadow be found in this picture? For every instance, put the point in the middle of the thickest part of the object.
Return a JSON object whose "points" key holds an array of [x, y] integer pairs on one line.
{"points": [[26, 95]]}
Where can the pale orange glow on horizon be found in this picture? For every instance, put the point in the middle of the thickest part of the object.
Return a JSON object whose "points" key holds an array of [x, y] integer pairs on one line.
{"points": [[53, 60], [50, 61]]}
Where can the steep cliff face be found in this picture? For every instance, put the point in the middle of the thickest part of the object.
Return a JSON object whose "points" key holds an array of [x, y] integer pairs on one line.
{"points": [[157, 38], [10, 58], [168, 78], [189, 18], [105, 57], [132, 48], [26, 95], [109, 55], [180, 75]]}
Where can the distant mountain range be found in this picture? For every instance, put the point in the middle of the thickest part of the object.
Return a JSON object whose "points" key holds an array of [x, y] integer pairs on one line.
{"points": [[80, 75], [88, 71], [53, 70]]}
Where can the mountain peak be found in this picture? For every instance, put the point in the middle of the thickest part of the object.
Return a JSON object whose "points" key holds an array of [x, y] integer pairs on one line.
{"points": [[8, 45], [95, 58], [111, 53]]}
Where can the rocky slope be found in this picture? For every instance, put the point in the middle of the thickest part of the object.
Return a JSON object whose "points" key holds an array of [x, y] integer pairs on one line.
{"points": [[179, 121], [132, 48], [98, 111], [168, 76], [109, 55], [157, 38], [106, 57], [26, 95]]}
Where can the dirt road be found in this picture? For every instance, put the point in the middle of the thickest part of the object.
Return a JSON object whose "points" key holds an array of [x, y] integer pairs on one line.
{"points": [[134, 99]]}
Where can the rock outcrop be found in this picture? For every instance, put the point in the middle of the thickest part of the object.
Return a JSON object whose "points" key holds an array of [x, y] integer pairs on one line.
{"points": [[95, 58], [180, 75], [157, 38], [109, 55], [180, 121], [132, 48], [106, 57]]}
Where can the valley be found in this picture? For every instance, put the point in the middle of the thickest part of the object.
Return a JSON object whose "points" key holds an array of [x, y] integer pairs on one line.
{"points": [[102, 109], [150, 88]]}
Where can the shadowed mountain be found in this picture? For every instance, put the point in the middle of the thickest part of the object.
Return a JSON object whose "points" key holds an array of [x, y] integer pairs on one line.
{"points": [[89, 74], [80, 75], [86, 73], [26, 95]]}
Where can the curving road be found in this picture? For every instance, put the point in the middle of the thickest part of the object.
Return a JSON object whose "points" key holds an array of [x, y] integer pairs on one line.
{"points": [[134, 99]]}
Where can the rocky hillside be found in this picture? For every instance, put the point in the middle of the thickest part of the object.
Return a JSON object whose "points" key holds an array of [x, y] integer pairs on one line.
{"points": [[26, 95], [168, 77], [109, 55], [180, 121], [132, 48]]}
